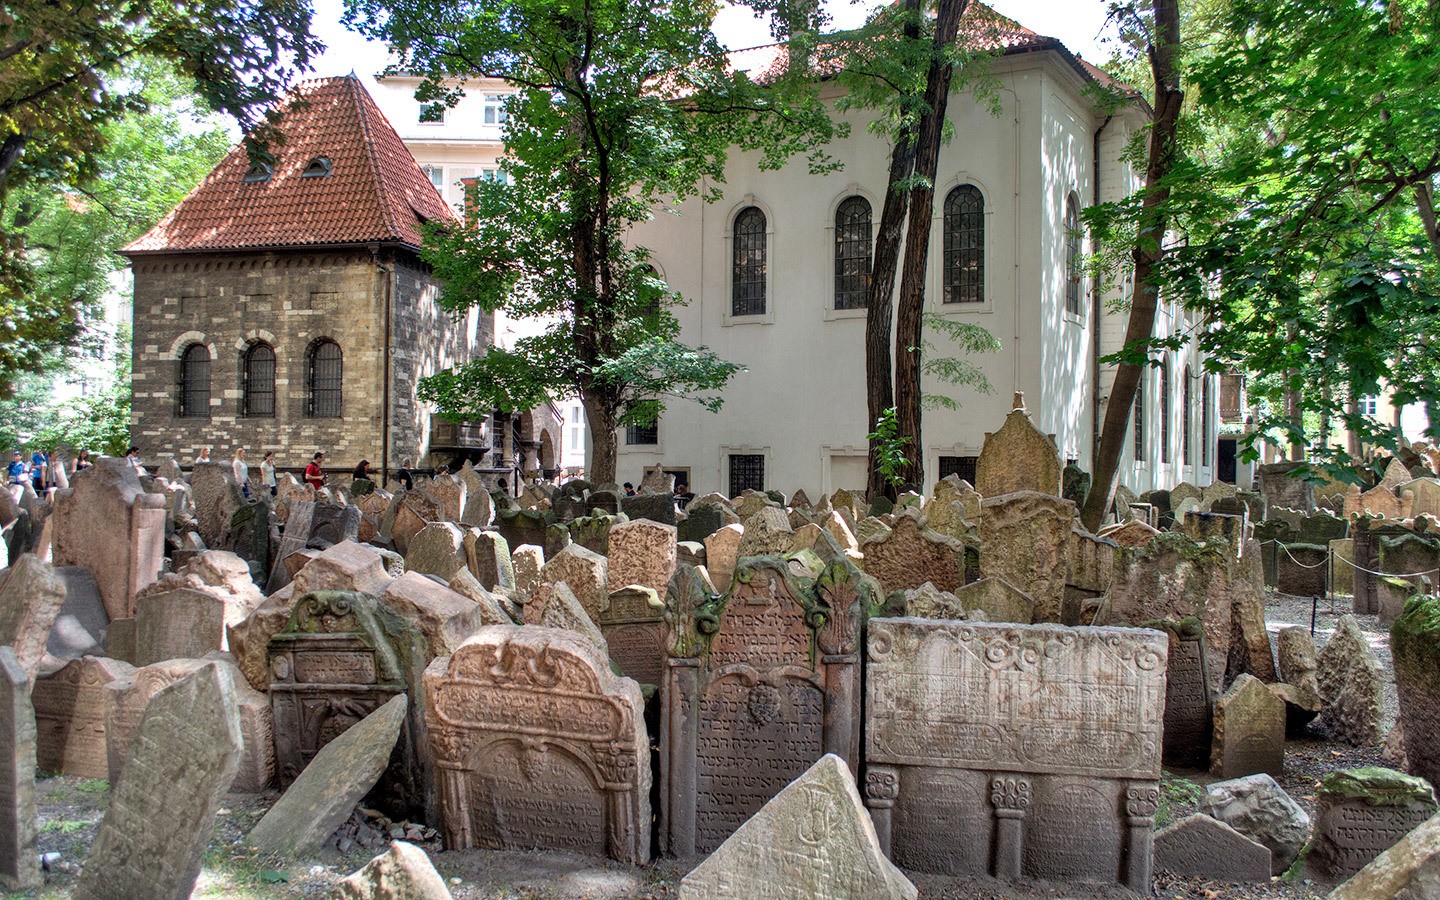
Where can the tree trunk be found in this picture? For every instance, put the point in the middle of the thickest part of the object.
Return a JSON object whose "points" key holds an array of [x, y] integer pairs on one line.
{"points": [[879, 298], [909, 323], [602, 419], [1146, 254]]}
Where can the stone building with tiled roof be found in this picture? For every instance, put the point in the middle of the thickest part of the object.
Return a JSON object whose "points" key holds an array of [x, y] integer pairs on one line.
{"points": [[283, 304]]}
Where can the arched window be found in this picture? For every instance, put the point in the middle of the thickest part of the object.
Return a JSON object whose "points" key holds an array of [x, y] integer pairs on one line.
{"points": [[325, 378], [1186, 456], [194, 390], [747, 287], [1205, 421], [1073, 273], [853, 252], [1138, 415], [258, 381], [964, 246], [1164, 411]]}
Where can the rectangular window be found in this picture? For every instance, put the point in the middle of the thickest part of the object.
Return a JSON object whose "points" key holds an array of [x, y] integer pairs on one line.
{"points": [[747, 472], [493, 110], [499, 176], [1139, 420], [574, 439], [432, 114], [642, 434], [436, 174], [964, 466], [1369, 405]]}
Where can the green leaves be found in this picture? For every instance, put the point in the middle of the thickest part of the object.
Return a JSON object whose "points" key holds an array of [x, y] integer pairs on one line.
{"points": [[890, 459]]}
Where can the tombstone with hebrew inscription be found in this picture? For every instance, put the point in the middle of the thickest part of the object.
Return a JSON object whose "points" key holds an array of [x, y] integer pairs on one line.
{"points": [[1189, 707], [342, 656], [70, 716], [539, 745], [633, 623], [761, 682], [1015, 750]]}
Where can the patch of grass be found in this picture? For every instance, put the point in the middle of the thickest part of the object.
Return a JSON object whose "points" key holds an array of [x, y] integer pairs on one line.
{"points": [[226, 874], [1176, 792], [65, 826], [93, 786]]}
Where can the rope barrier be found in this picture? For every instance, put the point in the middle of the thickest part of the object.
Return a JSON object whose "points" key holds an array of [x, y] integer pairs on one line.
{"points": [[1350, 563]]}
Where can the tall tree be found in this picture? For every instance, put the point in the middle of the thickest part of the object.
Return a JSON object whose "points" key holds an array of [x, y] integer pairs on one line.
{"points": [[1161, 33], [63, 80], [622, 107]]}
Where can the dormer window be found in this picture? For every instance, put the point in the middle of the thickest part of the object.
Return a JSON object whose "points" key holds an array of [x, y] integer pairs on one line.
{"points": [[319, 167], [259, 171]]}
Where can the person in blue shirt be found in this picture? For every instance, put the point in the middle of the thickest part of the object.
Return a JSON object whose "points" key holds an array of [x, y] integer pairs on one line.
{"points": [[37, 470], [16, 475]]}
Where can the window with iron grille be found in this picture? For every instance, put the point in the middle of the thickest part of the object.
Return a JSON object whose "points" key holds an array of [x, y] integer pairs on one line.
{"points": [[1205, 421], [964, 246], [1073, 272], [1164, 412], [1185, 455], [258, 399], [747, 472], [964, 466], [853, 251], [326, 378], [747, 289], [642, 434], [1139, 419], [194, 389]]}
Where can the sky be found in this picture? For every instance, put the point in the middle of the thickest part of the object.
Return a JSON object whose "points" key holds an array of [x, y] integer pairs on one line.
{"points": [[1077, 23]]}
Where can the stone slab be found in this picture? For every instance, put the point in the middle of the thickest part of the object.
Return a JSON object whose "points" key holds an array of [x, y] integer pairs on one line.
{"points": [[1202, 847]]}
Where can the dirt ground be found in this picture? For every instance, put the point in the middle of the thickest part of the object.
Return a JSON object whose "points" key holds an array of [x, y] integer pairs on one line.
{"points": [[71, 809]]}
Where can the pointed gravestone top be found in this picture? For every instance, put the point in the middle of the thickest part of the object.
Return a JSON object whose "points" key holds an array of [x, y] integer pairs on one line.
{"points": [[813, 839], [1018, 457], [1395, 475]]}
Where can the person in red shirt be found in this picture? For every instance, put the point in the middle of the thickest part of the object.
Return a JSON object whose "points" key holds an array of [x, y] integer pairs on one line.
{"points": [[313, 474]]}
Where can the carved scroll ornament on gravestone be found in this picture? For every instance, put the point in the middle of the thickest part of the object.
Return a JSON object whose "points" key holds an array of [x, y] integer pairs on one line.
{"points": [[1014, 750], [539, 745], [342, 656], [762, 682]]}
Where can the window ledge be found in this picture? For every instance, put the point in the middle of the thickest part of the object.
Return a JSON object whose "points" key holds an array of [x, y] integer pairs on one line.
{"points": [[765, 318], [954, 309], [832, 314]]}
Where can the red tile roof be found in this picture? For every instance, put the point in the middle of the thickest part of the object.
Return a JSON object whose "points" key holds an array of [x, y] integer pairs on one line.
{"points": [[375, 190]]}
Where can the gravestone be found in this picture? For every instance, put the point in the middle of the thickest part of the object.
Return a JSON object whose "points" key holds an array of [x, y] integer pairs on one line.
{"points": [[403, 872], [1361, 813], [79, 627], [175, 624], [555, 606], [641, 553], [762, 682], [584, 571], [1018, 457], [293, 540], [342, 656], [1257, 807], [1202, 847], [997, 600], [1189, 707], [31, 594], [768, 531], [722, 552], [1349, 680], [1408, 870], [1415, 645], [126, 700], [450, 494], [527, 560], [107, 523], [1295, 650], [1024, 539], [811, 840], [324, 795], [70, 716], [19, 858], [217, 498], [655, 507], [443, 616], [633, 623], [479, 510], [1249, 731], [704, 519], [488, 557], [438, 549], [161, 816], [1281, 488], [539, 745], [911, 555], [1015, 750]]}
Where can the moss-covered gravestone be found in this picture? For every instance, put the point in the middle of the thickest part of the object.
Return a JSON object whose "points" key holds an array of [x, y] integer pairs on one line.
{"points": [[1415, 645], [1361, 813]]}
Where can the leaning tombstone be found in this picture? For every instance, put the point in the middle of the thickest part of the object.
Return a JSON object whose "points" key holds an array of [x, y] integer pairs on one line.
{"points": [[161, 816], [1415, 644], [1407, 871], [762, 682], [1015, 750], [813, 839], [1249, 732], [31, 594], [1188, 705], [539, 745], [1202, 847], [1361, 813], [325, 794], [19, 858], [1350, 685]]}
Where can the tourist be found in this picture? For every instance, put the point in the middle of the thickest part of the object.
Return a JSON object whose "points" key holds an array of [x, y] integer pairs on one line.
{"points": [[38, 460], [267, 473], [132, 456], [405, 479], [314, 475], [362, 470], [82, 462], [241, 470], [203, 457], [443, 470], [17, 475], [629, 489]]}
